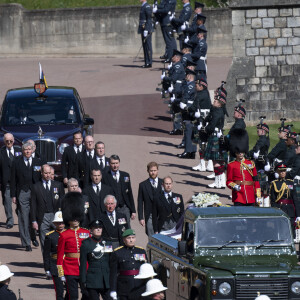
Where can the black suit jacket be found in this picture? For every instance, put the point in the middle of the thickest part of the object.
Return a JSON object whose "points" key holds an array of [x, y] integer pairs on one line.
{"points": [[146, 197], [69, 163], [108, 227], [6, 164], [105, 163], [20, 176], [125, 187], [96, 203], [161, 209], [39, 199]]}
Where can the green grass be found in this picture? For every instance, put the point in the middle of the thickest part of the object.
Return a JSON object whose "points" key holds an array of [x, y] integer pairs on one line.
{"points": [[46, 4], [273, 133]]}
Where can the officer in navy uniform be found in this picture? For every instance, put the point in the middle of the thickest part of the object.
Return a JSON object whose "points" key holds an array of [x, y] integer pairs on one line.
{"points": [[193, 28], [180, 23], [188, 97], [165, 9], [125, 263], [187, 53], [94, 263], [145, 29], [50, 255]]}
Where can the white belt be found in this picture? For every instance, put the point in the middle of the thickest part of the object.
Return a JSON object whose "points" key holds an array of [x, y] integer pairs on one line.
{"points": [[297, 177], [190, 102], [203, 57], [178, 81], [205, 111]]}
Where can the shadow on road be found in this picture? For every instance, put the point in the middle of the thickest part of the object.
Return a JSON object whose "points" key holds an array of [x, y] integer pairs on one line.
{"points": [[180, 166], [27, 264], [9, 233], [161, 118], [155, 129], [163, 153], [41, 286], [29, 274], [162, 143], [12, 247], [127, 66]]}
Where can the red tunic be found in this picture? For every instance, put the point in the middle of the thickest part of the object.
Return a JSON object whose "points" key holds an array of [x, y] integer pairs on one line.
{"points": [[70, 242], [243, 171]]}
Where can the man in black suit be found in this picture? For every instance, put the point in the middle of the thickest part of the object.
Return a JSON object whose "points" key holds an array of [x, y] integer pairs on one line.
{"points": [[85, 160], [25, 172], [148, 189], [69, 158], [114, 223], [120, 183], [167, 208], [7, 155], [96, 192], [101, 161], [45, 201]]}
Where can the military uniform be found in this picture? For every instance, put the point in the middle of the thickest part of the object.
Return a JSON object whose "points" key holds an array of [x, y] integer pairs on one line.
{"points": [[163, 9], [50, 261], [145, 26], [68, 254], [278, 151], [281, 196], [6, 293], [94, 267], [124, 264], [243, 174]]}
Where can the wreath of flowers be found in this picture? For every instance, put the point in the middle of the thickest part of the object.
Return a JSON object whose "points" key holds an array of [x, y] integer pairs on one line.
{"points": [[206, 199]]}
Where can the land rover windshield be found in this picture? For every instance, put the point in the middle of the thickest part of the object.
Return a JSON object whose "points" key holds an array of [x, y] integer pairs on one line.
{"points": [[232, 232]]}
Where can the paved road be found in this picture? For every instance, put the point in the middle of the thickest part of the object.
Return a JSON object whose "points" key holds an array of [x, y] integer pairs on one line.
{"points": [[132, 121]]}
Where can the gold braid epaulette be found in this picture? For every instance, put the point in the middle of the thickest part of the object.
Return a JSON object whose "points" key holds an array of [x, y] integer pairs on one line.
{"points": [[246, 167], [280, 192], [60, 271]]}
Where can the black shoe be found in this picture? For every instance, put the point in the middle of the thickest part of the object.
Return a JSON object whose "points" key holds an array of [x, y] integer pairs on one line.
{"points": [[147, 66], [35, 243], [175, 132], [163, 57], [167, 61], [28, 248], [9, 226], [181, 146], [187, 155]]}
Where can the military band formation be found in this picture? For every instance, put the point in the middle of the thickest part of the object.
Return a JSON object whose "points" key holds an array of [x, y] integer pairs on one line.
{"points": [[105, 258]]}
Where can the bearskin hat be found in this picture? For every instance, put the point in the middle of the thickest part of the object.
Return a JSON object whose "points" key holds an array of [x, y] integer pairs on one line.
{"points": [[238, 141], [72, 207]]}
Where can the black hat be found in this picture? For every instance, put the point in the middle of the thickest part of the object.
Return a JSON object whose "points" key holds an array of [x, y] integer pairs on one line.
{"points": [[284, 129], [238, 141], [72, 207], [241, 110], [186, 45], [280, 167], [292, 135], [201, 17], [202, 81], [189, 71], [198, 4], [176, 52], [190, 62], [263, 126], [96, 224]]}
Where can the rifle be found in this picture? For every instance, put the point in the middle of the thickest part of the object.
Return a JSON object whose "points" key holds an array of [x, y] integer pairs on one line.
{"points": [[20, 298]]}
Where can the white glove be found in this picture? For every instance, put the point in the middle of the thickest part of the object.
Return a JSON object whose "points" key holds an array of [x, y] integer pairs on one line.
{"points": [[63, 278], [172, 16], [183, 26], [170, 66], [219, 134], [237, 187], [297, 219], [48, 275], [197, 114], [276, 175], [256, 154], [154, 10], [172, 98], [171, 88], [186, 39], [267, 167], [260, 201], [145, 33], [199, 126], [182, 105], [113, 295], [163, 75]]}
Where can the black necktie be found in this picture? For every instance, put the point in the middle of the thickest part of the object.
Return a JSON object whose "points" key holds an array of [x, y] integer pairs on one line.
{"points": [[28, 163], [47, 186], [111, 217], [89, 155], [11, 156], [97, 190], [101, 163], [169, 198], [78, 150]]}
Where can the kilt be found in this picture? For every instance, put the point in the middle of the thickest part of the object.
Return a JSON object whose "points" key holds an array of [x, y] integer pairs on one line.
{"points": [[263, 181], [213, 150]]}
